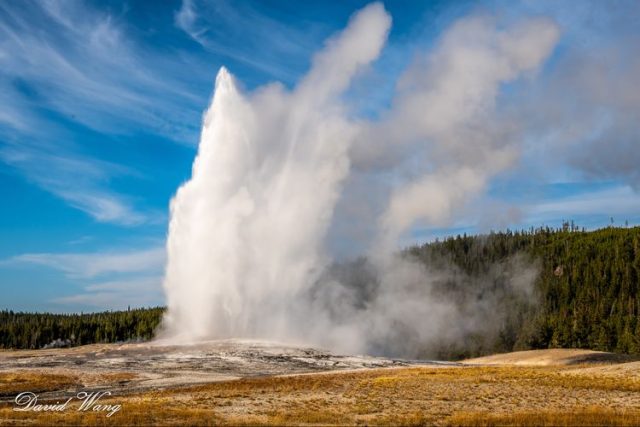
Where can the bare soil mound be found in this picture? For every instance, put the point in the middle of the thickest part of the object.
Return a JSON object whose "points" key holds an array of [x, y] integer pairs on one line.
{"points": [[551, 357]]}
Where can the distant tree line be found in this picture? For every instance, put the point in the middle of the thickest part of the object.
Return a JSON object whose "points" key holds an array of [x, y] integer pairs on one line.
{"points": [[585, 296], [41, 330]]}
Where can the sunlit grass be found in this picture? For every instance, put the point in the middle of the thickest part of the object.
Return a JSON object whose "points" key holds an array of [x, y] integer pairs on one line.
{"points": [[592, 416], [18, 381], [399, 396]]}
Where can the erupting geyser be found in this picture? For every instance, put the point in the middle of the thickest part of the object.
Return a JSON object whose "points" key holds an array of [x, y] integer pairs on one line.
{"points": [[276, 168], [247, 230]]}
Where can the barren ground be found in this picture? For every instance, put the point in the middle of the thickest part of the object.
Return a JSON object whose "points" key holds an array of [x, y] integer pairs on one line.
{"points": [[154, 366], [241, 382]]}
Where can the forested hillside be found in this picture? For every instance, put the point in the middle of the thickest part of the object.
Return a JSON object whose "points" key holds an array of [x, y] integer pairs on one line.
{"points": [[585, 295]]}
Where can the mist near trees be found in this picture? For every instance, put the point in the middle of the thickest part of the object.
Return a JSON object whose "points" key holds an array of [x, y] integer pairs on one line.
{"points": [[584, 295]]}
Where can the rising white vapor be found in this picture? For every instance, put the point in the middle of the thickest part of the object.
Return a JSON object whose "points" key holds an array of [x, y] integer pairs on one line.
{"points": [[247, 245], [445, 112], [246, 231]]}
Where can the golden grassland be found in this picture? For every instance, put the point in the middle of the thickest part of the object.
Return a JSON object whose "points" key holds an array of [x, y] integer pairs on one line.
{"points": [[12, 383], [472, 395]]}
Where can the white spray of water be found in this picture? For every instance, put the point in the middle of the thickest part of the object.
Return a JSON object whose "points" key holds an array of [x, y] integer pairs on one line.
{"points": [[275, 169]]}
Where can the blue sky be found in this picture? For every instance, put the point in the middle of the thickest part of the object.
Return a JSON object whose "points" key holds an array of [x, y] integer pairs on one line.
{"points": [[101, 105]]}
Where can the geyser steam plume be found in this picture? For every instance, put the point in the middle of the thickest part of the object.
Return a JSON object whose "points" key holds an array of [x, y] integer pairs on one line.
{"points": [[278, 170]]}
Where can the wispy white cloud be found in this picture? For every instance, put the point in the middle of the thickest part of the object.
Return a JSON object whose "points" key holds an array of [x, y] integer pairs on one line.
{"points": [[80, 181], [104, 207], [221, 28], [81, 64], [109, 279], [148, 261], [65, 62], [80, 240], [118, 294], [620, 202], [185, 19], [144, 284]]}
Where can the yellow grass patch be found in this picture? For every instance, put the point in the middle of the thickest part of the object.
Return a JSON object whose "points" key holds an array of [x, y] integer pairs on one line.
{"points": [[592, 416], [19, 381]]}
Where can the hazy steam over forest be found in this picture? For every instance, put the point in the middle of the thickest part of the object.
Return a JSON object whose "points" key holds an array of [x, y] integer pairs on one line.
{"points": [[583, 295]]}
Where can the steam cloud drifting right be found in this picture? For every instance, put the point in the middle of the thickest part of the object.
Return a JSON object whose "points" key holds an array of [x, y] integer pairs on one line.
{"points": [[283, 177]]}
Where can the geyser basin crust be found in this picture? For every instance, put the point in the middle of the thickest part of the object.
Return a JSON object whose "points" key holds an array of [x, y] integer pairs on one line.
{"points": [[159, 365]]}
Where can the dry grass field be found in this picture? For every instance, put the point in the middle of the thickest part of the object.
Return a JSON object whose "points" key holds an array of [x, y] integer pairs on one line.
{"points": [[561, 393]]}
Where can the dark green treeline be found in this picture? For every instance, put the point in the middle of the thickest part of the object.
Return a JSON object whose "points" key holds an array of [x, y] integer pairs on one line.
{"points": [[37, 330]]}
